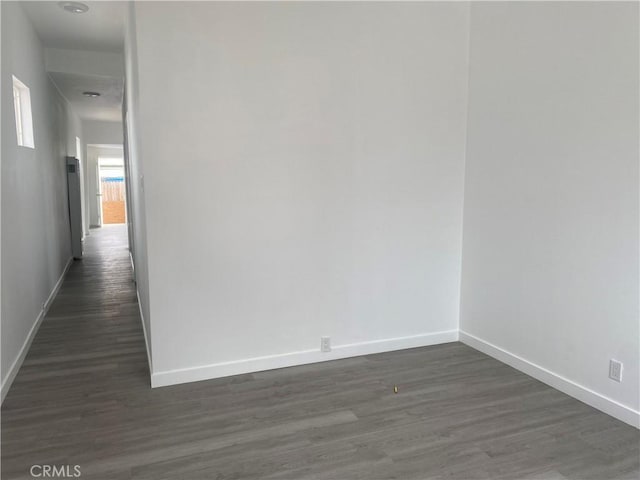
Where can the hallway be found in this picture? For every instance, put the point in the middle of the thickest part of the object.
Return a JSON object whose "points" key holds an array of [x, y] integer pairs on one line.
{"points": [[86, 364]]}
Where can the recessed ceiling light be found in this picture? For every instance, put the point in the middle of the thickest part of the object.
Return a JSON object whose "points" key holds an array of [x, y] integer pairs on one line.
{"points": [[73, 7], [91, 94]]}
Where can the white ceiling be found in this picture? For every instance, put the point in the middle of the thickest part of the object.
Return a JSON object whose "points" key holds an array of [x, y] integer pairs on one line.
{"points": [[76, 58], [106, 107], [100, 29]]}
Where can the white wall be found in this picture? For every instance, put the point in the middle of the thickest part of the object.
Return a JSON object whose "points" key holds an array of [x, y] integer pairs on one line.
{"points": [[84, 62], [303, 177], [550, 271], [35, 224], [134, 171], [99, 132]]}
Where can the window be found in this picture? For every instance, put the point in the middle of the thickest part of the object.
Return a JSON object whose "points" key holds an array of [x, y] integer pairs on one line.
{"points": [[22, 106]]}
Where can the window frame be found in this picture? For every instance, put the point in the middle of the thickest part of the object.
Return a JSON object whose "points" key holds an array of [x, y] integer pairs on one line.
{"points": [[23, 114]]}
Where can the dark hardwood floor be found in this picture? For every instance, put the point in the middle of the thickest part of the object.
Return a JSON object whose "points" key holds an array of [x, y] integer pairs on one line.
{"points": [[83, 398]]}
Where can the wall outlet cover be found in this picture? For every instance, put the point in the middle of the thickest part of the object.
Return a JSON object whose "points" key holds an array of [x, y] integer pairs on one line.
{"points": [[615, 370]]}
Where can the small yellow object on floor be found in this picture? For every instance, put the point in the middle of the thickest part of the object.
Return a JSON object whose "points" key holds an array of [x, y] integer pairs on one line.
{"points": [[395, 389]]}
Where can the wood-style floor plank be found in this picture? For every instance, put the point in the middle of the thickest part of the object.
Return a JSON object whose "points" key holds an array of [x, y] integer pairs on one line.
{"points": [[83, 397]]}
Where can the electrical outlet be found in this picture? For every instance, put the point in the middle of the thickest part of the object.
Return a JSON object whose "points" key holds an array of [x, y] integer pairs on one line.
{"points": [[325, 344], [615, 370]]}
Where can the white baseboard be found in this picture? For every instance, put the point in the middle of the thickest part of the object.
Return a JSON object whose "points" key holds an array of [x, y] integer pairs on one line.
{"points": [[225, 369], [17, 363], [144, 331], [584, 394]]}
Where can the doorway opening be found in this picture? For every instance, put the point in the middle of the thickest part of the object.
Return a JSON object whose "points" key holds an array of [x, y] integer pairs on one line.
{"points": [[112, 190], [106, 185]]}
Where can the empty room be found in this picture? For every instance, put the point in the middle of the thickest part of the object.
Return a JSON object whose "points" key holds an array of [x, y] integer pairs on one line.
{"points": [[320, 240]]}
